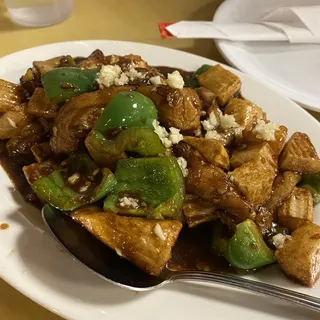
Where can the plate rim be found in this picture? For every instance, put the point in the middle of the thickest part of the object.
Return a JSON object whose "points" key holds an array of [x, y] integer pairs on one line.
{"points": [[21, 288], [228, 56]]}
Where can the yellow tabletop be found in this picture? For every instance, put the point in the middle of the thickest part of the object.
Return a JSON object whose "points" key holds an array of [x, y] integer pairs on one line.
{"points": [[101, 19]]}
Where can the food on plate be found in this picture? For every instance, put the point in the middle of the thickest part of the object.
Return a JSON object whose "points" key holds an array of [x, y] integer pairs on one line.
{"points": [[162, 165]]}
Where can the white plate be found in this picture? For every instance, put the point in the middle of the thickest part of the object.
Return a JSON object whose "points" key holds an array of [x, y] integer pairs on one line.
{"points": [[292, 69], [32, 262]]}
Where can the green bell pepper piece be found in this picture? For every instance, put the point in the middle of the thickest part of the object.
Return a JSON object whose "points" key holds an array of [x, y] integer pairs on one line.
{"points": [[61, 84], [54, 190], [192, 81], [157, 183], [127, 109], [247, 249], [311, 182], [142, 141]]}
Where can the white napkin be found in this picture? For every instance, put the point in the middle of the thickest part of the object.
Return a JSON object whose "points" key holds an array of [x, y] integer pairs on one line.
{"points": [[293, 24]]}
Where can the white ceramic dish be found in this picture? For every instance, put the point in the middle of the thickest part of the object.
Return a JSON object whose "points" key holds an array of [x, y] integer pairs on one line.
{"points": [[32, 262], [292, 69]]}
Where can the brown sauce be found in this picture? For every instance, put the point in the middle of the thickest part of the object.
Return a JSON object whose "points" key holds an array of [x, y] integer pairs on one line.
{"points": [[4, 226]]}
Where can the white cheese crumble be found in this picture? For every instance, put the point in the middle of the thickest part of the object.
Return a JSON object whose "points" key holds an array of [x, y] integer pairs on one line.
{"points": [[227, 121], [133, 74], [122, 80], [198, 132], [279, 240], [108, 74], [156, 80], [175, 80], [213, 134], [158, 232], [128, 202], [167, 139], [183, 165], [265, 131], [211, 123]]}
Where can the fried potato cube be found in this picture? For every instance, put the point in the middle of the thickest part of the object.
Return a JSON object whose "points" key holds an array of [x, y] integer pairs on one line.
{"points": [[221, 82], [254, 179], [245, 113], [300, 155], [296, 210], [277, 144], [282, 188], [179, 108], [11, 96], [40, 106], [44, 66], [254, 152], [146, 243], [300, 257], [211, 149]]}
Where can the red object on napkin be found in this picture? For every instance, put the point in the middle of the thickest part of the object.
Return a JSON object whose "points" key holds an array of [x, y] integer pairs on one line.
{"points": [[165, 34]]}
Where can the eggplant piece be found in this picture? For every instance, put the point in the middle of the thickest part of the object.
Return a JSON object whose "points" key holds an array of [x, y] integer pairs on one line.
{"points": [[30, 81], [264, 220], [29, 136], [12, 122], [11, 96], [212, 150], [197, 211], [144, 242], [42, 152], [299, 257], [78, 116], [179, 108], [40, 106], [221, 82], [38, 170], [282, 187], [255, 180], [299, 155], [44, 66], [212, 184], [296, 210]]}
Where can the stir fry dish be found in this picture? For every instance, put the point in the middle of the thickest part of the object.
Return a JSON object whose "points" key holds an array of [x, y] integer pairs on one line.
{"points": [[141, 155]]}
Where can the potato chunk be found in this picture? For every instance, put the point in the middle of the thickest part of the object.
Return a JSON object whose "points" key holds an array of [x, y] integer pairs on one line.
{"points": [[44, 66], [245, 113], [300, 257], [254, 179], [179, 108], [211, 149], [11, 96], [254, 152], [297, 209], [300, 155], [221, 82], [146, 243], [282, 187]]}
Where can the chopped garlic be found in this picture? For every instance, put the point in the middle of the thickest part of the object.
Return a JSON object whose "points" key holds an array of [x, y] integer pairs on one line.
{"points": [[265, 131], [228, 121], [74, 178], [279, 240], [175, 136], [128, 202], [12, 123], [108, 74], [158, 232], [175, 80], [183, 166], [85, 187], [155, 80], [118, 251]]}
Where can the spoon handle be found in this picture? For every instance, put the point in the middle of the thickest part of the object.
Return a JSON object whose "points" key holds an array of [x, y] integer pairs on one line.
{"points": [[249, 285]]}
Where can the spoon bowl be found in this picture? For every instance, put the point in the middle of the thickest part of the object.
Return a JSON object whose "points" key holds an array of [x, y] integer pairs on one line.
{"points": [[103, 261]]}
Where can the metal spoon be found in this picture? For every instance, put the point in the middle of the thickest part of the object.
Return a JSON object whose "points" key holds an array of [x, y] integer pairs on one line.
{"points": [[85, 248]]}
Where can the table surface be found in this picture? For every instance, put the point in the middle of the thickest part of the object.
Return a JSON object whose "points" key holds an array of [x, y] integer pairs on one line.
{"points": [[101, 19]]}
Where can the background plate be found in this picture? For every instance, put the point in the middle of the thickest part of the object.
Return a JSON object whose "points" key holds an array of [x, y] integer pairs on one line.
{"points": [[32, 262]]}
